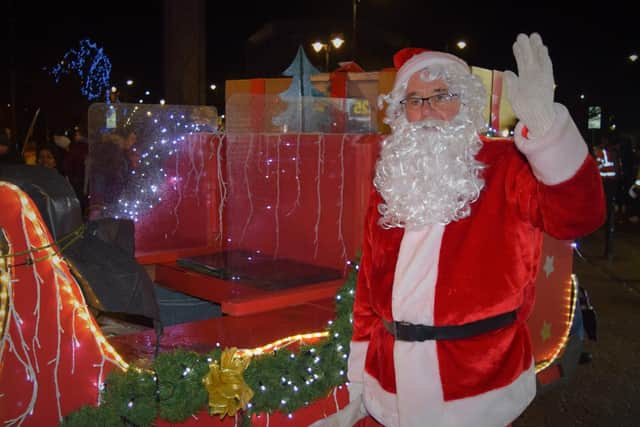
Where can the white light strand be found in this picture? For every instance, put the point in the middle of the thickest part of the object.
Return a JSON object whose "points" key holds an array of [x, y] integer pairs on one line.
{"points": [[297, 163], [6, 338], [99, 381], [228, 171], [5, 286], [196, 171], [59, 331], [341, 203], [223, 191], [178, 187], [35, 342], [74, 339], [246, 183], [277, 210], [24, 361], [319, 212], [31, 375]]}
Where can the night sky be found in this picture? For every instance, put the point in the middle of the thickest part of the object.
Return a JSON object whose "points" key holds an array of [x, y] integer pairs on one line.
{"points": [[589, 46]]}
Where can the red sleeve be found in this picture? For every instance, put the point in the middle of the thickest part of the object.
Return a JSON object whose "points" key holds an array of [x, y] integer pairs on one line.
{"points": [[567, 210]]}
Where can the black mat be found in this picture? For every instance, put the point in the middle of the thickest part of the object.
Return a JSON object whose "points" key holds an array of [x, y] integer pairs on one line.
{"points": [[259, 271]]}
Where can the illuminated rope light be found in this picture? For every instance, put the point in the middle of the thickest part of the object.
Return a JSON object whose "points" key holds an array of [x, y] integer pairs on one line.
{"points": [[284, 342], [5, 283], [571, 306]]}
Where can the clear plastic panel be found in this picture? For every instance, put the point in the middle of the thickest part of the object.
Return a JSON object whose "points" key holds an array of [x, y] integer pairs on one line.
{"points": [[279, 197], [156, 165], [309, 114]]}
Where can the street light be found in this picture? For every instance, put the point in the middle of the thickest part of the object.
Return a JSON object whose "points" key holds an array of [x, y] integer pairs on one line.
{"points": [[336, 42], [460, 45]]}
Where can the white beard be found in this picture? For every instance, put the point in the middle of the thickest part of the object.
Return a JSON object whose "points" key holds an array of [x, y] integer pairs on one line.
{"points": [[427, 172]]}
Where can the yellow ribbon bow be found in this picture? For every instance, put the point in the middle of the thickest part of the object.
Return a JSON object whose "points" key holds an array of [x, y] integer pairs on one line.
{"points": [[228, 392]]}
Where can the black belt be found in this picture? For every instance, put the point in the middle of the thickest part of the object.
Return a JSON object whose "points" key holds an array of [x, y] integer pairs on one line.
{"points": [[405, 331]]}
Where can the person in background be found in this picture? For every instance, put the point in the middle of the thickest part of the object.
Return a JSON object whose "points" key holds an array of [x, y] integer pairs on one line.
{"points": [[47, 156], [634, 195], [628, 171], [608, 161], [8, 151], [109, 170], [74, 167]]}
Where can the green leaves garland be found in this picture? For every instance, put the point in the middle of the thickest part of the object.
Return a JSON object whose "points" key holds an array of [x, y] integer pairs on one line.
{"points": [[173, 390]]}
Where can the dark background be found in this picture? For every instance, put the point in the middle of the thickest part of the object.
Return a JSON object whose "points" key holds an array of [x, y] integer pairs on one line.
{"points": [[589, 46]]}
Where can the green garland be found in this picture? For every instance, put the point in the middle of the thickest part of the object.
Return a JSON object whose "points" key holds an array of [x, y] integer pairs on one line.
{"points": [[173, 389]]}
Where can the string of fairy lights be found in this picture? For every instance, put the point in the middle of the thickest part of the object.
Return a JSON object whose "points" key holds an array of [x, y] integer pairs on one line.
{"points": [[164, 134]]}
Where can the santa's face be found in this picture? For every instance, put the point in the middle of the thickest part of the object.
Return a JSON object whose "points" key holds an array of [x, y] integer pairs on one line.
{"points": [[427, 172], [429, 99]]}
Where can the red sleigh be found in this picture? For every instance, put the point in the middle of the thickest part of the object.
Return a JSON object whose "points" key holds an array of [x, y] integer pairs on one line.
{"points": [[264, 221], [55, 358]]}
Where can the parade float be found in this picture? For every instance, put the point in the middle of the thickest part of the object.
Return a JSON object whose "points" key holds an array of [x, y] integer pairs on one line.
{"points": [[262, 220]]}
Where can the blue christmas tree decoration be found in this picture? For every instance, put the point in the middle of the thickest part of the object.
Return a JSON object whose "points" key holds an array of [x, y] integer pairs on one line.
{"points": [[298, 95], [92, 66], [301, 71]]}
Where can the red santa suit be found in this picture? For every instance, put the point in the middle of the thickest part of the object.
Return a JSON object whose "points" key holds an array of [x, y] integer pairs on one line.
{"points": [[475, 268]]}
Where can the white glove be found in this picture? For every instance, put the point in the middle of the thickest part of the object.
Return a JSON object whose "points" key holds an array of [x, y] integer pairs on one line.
{"points": [[531, 91]]}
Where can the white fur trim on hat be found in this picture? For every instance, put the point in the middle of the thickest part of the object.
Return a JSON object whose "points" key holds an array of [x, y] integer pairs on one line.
{"points": [[425, 60]]}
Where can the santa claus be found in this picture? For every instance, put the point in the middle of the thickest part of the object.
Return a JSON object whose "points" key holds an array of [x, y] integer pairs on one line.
{"points": [[452, 243]]}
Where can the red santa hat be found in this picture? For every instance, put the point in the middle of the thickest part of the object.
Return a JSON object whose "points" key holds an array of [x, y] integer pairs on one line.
{"points": [[410, 60]]}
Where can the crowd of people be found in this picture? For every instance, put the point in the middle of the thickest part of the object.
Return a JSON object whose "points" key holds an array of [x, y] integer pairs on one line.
{"points": [[64, 150], [97, 176]]}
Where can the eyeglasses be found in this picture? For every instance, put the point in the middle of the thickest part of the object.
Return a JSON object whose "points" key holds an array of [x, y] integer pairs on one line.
{"points": [[437, 101]]}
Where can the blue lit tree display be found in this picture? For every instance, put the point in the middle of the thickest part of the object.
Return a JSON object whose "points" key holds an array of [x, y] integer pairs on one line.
{"points": [[92, 66]]}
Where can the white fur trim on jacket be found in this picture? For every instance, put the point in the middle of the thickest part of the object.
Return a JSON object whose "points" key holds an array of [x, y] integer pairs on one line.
{"points": [[557, 155], [418, 405]]}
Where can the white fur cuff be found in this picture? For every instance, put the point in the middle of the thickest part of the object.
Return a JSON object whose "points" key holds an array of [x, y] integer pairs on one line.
{"points": [[557, 155]]}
